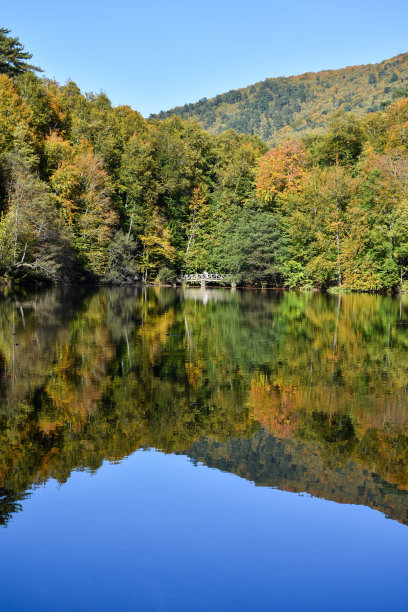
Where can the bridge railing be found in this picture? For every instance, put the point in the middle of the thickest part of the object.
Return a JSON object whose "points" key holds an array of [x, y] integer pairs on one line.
{"points": [[207, 278]]}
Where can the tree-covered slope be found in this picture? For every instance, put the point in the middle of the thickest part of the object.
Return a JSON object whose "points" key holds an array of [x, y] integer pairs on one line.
{"points": [[278, 108], [90, 192]]}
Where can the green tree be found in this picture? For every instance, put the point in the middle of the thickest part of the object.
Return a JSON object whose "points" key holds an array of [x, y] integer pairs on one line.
{"points": [[122, 267], [253, 248], [33, 238], [375, 251], [12, 55], [140, 182], [84, 193]]}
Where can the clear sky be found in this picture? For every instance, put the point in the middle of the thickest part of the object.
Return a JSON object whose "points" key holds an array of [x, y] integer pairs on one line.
{"points": [[159, 54]]}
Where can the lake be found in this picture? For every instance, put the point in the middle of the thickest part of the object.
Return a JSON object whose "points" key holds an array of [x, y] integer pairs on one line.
{"points": [[203, 449]]}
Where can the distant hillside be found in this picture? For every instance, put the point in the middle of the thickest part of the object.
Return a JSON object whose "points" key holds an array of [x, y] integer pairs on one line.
{"points": [[278, 108]]}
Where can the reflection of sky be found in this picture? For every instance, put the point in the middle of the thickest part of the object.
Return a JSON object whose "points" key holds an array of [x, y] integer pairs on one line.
{"points": [[157, 533]]}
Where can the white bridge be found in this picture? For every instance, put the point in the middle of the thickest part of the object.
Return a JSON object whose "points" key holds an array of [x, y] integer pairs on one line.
{"points": [[205, 278]]}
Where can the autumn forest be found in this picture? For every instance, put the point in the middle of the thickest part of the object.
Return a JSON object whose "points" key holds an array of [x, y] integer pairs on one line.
{"points": [[94, 193]]}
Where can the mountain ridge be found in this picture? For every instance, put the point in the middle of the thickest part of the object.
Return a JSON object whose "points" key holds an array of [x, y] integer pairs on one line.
{"points": [[282, 107]]}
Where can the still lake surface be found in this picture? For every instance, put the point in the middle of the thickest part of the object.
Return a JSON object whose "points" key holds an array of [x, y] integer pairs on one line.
{"points": [[209, 449]]}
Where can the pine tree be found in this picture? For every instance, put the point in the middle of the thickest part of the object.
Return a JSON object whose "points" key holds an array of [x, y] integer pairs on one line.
{"points": [[13, 56]]}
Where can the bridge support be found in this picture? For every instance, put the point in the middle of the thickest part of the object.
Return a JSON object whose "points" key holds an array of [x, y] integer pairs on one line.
{"points": [[233, 285], [202, 283]]}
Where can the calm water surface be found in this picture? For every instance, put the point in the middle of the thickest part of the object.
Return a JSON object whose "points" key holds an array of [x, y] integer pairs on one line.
{"points": [[203, 450]]}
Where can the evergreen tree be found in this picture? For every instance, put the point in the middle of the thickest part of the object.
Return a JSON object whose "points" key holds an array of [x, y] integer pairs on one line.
{"points": [[12, 55]]}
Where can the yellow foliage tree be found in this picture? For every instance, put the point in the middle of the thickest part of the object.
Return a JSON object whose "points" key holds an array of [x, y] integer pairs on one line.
{"points": [[157, 249]]}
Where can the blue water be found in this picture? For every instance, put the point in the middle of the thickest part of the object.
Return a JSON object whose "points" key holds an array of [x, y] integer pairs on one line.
{"points": [[156, 532], [254, 401]]}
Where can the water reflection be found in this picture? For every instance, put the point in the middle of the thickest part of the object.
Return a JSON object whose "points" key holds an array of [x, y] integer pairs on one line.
{"points": [[305, 392]]}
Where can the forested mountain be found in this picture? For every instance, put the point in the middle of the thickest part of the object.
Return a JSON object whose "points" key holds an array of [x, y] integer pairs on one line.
{"points": [[280, 108], [90, 192]]}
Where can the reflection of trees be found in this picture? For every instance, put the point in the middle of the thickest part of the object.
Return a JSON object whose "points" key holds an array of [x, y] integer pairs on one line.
{"points": [[29, 328], [341, 379], [293, 465], [98, 375]]}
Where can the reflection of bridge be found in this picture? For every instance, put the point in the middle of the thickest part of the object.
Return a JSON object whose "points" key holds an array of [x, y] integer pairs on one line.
{"points": [[205, 278]]}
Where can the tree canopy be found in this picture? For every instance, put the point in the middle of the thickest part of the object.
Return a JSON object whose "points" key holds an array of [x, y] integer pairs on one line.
{"points": [[13, 58], [90, 192]]}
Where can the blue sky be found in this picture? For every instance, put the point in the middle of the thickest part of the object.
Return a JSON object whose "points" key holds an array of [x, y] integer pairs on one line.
{"points": [[156, 55]]}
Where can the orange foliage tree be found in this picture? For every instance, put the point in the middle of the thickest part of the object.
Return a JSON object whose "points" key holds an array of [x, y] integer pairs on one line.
{"points": [[281, 170]]}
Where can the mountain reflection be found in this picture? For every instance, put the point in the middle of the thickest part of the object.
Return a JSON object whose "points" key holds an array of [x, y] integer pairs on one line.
{"points": [[304, 392]]}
